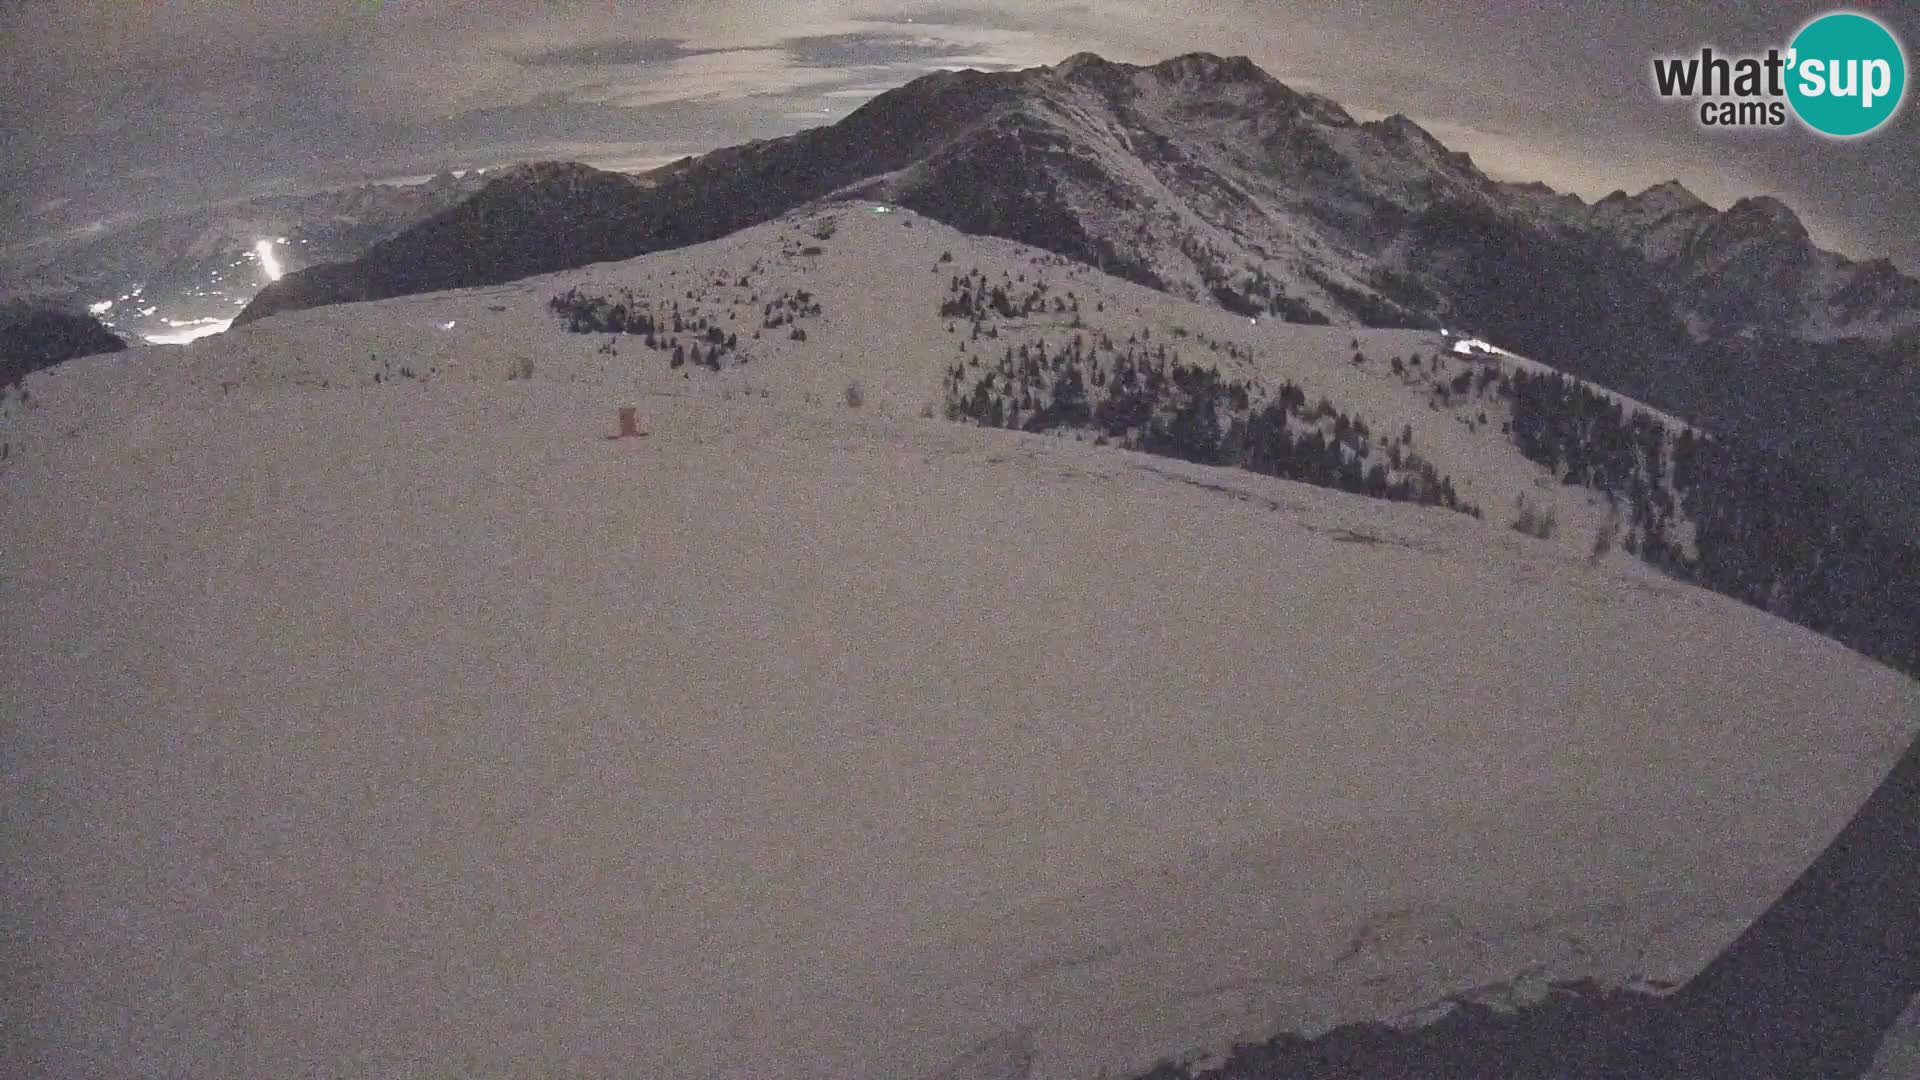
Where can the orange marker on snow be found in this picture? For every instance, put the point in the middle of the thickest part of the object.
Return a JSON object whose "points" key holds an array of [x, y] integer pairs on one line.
{"points": [[628, 426]]}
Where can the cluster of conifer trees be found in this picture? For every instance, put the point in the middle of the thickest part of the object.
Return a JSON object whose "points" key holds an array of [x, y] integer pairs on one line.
{"points": [[1148, 399], [692, 338], [1765, 532]]}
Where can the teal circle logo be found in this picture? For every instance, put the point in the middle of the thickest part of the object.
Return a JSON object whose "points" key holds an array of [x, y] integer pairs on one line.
{"points": [[1847, 74]]}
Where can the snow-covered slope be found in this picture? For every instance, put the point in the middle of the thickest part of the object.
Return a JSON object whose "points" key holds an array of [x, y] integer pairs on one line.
{"points": [[372, 712], [879, 278]]}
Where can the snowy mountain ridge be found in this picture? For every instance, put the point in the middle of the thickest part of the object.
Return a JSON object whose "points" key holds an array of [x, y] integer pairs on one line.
{"points": [[1046, 345], [802, 731], [1202, 175], [1207, 178], [804, 316]]}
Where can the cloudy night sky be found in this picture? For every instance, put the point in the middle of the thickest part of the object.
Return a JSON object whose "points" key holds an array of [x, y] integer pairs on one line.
{"points": [[128, 108]]}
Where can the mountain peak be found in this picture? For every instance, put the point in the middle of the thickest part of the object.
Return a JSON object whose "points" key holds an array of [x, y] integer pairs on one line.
{"points": [[1671, 194], [1656, 222], [1767, 205], [1204, 75], [549, 172], [1079, 62], [1401, 126], [1768, 213], [1209, 67]]}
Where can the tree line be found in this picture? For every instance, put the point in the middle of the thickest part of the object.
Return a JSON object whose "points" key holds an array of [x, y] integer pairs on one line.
{"points": [[1765, 532], [1148, 399]]}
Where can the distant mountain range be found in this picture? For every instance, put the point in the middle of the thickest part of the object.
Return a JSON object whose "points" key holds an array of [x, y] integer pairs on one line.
{"points": [[165, 276], [1207, 178]]}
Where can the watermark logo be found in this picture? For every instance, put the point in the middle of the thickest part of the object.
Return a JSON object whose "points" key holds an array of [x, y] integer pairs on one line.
{"points": [[1844, 75], [1852, 74]]}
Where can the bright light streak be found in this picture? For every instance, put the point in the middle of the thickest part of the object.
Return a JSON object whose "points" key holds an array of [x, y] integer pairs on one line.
{"points": [[268, 262], [205, 329]]}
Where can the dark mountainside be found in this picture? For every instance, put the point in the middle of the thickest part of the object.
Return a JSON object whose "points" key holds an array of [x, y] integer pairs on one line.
{"points": [[554, 216], [34, 337]]}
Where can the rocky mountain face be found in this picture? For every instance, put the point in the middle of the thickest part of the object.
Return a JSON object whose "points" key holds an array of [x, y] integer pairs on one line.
{"points": [[1207, 178], [1202, 175], [1752, 268]]}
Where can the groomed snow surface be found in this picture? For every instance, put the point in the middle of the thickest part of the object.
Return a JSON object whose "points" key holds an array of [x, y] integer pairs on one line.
{"points": [[419, 729]]}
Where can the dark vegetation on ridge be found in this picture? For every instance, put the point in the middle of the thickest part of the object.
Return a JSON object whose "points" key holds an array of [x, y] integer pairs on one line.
{"points": [[1845, 412], [1765, 533], [1139, 394], [1720, 512]]}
